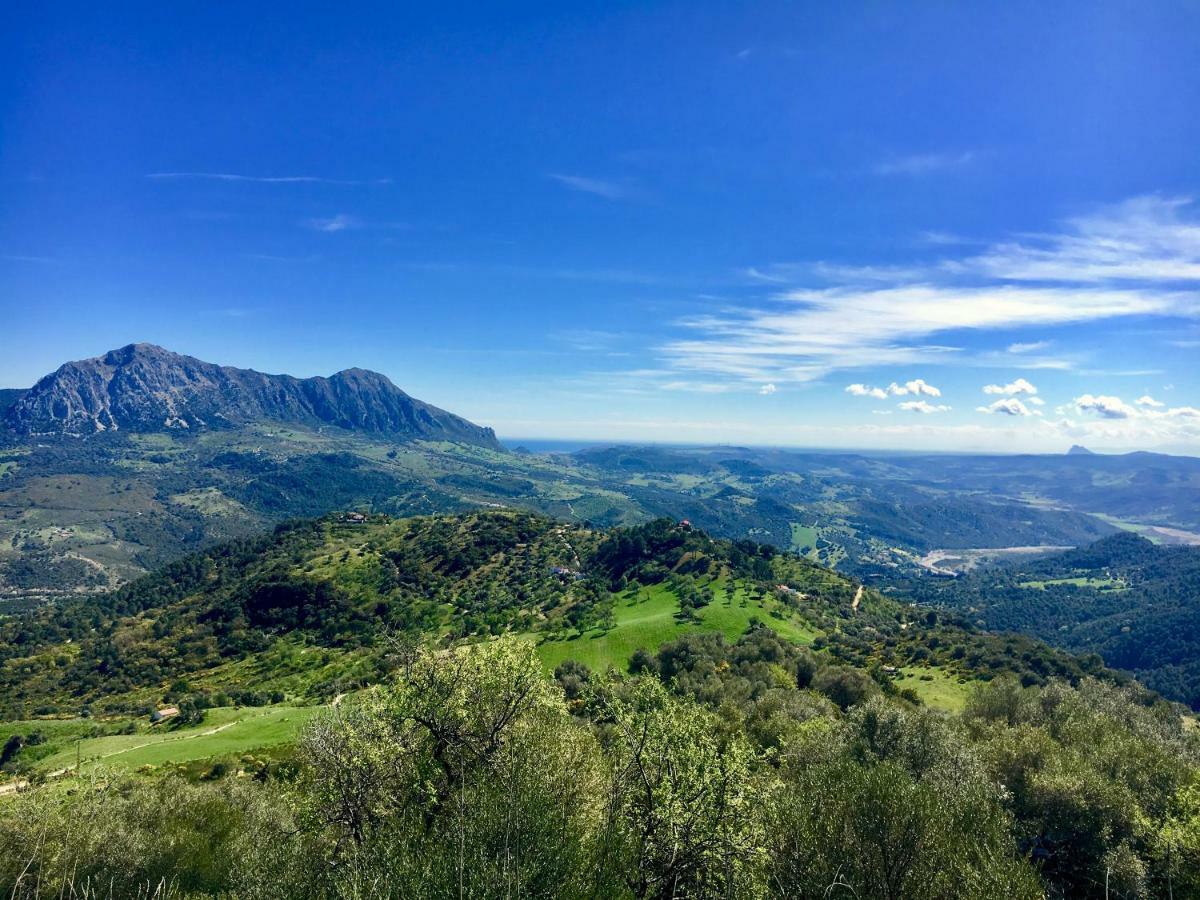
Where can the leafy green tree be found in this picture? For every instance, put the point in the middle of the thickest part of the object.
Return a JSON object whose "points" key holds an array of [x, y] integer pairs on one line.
{"points": [[467, 778], [845, 829], [685, 801]]}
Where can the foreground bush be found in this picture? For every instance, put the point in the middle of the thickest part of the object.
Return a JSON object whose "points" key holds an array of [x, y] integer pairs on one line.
{"points": [[472, 776]]}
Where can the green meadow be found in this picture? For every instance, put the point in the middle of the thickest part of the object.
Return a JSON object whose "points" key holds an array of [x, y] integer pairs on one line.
{"points": [[649, 619], [224, 730], [1102, 584], [937, 687]]}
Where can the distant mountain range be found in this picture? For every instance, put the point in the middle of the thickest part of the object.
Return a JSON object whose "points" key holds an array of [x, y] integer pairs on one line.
{"points": [[144, 388]]}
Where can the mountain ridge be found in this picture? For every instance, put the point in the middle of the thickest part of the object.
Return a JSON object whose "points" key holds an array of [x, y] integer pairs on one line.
{"points": [[146, 388]]}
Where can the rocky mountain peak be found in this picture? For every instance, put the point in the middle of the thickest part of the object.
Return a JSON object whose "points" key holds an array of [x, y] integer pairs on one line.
{"points": [[143, 387]]}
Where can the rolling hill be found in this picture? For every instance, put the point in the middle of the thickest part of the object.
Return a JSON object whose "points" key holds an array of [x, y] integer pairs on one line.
{"points": [[320, 605]]}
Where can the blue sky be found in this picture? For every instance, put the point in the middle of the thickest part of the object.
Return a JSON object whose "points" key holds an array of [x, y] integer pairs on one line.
{"points": [[722, 222]]}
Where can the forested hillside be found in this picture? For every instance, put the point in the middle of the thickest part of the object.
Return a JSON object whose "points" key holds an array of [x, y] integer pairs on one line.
{"points": [[1133, 602], [346, 583], [90, 513]]}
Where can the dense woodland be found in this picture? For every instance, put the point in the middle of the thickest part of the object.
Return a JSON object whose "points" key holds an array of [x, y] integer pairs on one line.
{"points": [[1133, 602]]}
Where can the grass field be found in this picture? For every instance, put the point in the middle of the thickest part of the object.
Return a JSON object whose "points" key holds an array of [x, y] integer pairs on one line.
{"points": [[225, 730], [942, 690], [1103, 584], [803, 537], [55, 735], [648, 620]]}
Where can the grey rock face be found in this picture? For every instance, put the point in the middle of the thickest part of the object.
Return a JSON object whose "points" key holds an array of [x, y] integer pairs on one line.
{"points": [[142, 388]]}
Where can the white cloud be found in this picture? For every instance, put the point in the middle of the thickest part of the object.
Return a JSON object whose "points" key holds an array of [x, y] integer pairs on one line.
{"points": [[1008, 406], [862, 390], [916, 387], [923, 406], [1036, 401], [805, 334], [1147, 400], [922, 163], [1105, 406], [1028, 347], [1143, 239], [767, 274], [767, 390], [1180, 412], [1178, 427], [1119, 262], [1020, 386], [699, 387], [261, 179], [855, 274], [333, 224], [609, 190]]}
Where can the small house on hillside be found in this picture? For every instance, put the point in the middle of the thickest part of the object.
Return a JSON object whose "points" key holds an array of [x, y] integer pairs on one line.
{"points": [[161, 715]]}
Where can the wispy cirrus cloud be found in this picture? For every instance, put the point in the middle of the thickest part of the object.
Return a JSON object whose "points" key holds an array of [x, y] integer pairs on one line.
{"points": [[1022, 347], [599, 187], [592, 340], [1132, 260], [1142, 239], [922, 163], [334, 224], [275, 257], [802, 335], [264, 179], [699, 387]]}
